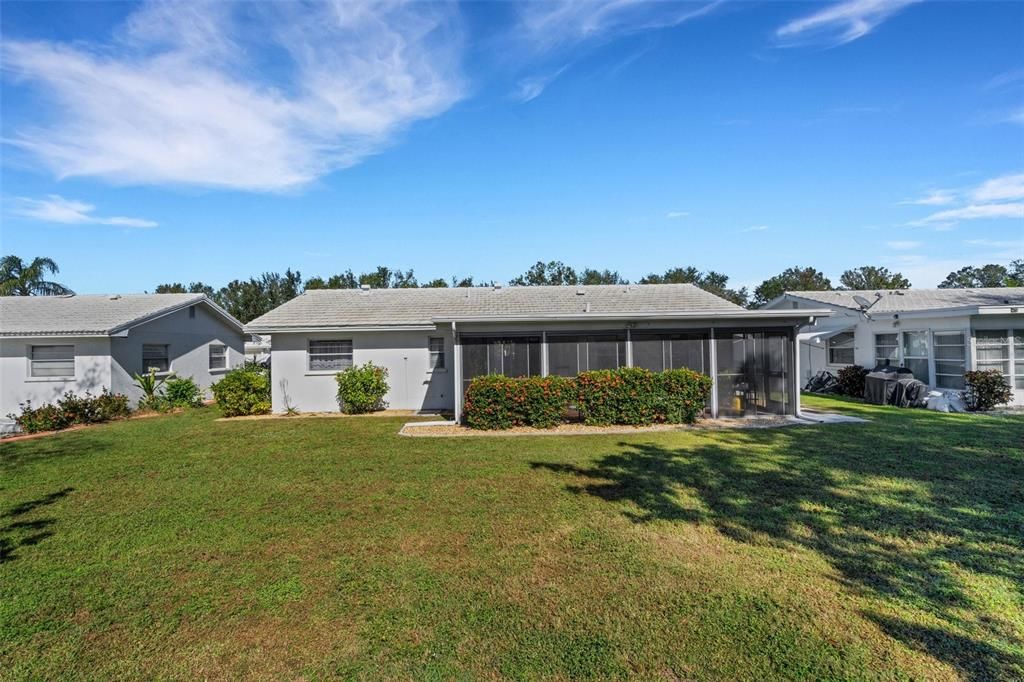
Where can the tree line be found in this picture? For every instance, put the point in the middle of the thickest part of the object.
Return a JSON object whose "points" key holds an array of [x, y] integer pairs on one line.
{"points": [[249, 298]]}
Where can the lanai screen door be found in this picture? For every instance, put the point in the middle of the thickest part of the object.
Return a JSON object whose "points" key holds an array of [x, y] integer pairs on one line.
{"points": [[753, 373]]}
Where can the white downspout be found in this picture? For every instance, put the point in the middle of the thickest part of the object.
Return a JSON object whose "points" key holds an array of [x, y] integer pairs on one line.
{"points": [[713, 361], [457, 373]]}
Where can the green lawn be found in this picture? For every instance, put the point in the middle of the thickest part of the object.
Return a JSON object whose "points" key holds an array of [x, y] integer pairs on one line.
{"points": [[183, 547]]}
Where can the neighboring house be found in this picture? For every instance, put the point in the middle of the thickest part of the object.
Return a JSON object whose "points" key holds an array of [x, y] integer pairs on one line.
{"points": [[936, 333], [53, 344], [434, 341]]}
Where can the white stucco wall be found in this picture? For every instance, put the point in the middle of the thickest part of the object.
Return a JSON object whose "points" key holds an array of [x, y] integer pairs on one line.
{"points": [[188, 340], [404, 353], [92, 371]]}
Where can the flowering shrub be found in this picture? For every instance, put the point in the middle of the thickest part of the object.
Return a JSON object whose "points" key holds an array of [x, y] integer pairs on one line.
{"points": [[986, 389], [362, 389], [498, 402], [636, 396], [71, 410], [244, 390]]}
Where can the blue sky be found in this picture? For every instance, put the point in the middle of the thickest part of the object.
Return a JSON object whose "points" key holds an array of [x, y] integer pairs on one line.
{"points": [[145, 143]]}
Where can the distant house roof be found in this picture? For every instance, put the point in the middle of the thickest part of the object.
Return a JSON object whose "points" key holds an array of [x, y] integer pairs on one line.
{"points": [[91, 315], [908, 300], [382, 308]]}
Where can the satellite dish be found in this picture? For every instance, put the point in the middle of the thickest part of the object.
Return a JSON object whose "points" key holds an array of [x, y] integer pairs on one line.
{"points": [[862, 302]]}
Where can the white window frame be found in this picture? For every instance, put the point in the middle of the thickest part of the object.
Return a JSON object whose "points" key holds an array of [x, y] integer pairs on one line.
{"points": [[852, 348], [30, 351], [224, 357], [1010, 360], [966, 345], [167, 350], [1017, 359], [895, 362], [345, 358], [436, 361]]}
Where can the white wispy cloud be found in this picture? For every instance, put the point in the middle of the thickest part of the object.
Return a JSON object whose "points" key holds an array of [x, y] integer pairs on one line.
{"points": [[1002, 80], [755, 228], [531, 88], [933, 197], [1003, 188], [1017, 244], [550, 24], [182, 94], [840, 23], [672, 215], [56, 209], [903, 245], [972, 212]]}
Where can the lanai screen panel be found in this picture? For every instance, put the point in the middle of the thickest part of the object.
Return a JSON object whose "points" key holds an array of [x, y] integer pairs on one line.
{"points": [[660, 351], [516, 356], [568, 355]]}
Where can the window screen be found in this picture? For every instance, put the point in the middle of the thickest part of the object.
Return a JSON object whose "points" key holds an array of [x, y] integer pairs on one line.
{"points": [[52, 361], [218, 356], [155, 357], [326, 356], [517, 356], [994, 350], [950, 359], [436, 345], [915, 355], [887, 349], [1018, 357], [840, 349]]}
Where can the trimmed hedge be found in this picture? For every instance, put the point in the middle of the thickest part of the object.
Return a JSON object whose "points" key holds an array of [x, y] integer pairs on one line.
{"points": [[638, 397], [498, 402], [362, 388], [629, 395], [71, 410], [243, 391]]}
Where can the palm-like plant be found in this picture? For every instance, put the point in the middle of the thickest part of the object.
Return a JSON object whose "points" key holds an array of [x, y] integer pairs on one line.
{"points": [[18, 279]]}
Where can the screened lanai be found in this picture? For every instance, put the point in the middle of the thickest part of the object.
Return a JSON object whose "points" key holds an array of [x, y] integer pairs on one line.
{"points": [[751, 368]]}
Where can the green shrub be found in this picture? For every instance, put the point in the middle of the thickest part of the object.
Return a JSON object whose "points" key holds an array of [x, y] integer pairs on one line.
{"points": [[986, 389], [636, 396], [498, 402], [182, 392], [150, 385], [243, 391], [362, 388], [851, 380], [70, 410]]}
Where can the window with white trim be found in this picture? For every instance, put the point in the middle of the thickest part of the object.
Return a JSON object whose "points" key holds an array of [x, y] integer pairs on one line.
{"points": [[436, 345], [330, 355], [993, 347], [887, 349], [218, 356], [840, 349], [950, 359], [155, 357], [51, 361], [915, 355]]}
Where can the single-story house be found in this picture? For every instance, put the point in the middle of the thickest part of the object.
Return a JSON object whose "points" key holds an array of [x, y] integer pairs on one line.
{"points": [[938, 334], [434, 341], [53, 344]]}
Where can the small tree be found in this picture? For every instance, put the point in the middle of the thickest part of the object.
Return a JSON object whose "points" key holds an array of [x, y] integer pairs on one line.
{"points": [[362, 388], [986, 389]]}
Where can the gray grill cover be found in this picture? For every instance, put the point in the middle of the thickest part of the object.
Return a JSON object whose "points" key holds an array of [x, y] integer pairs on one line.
{"points": [[880, 384]]}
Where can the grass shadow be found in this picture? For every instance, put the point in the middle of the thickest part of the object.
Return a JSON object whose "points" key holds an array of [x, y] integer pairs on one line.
{"points": [[26, 533], [899, 509]]}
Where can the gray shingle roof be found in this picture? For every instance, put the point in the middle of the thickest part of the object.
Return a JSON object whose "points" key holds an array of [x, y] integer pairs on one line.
{"points": [[85, 315], [328, 308], [907, 300]]}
